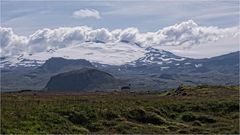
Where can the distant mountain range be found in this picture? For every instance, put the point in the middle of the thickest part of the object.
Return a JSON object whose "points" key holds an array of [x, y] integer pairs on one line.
{"points": [[159, 61], [156, 70]]}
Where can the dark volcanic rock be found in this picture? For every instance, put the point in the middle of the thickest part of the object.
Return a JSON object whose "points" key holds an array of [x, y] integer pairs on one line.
{"points": [[56, 64], [82, 80]]}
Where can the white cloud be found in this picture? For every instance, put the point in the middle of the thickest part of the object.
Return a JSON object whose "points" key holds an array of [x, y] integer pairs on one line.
{"points": [[208, 49], [12, 43], [86, 13], [129, 35], [100, 35], [57, 38], [185, 34]]}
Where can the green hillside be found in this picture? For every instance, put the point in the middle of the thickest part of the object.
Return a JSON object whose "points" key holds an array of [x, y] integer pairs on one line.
{"points": [[201, 109]]}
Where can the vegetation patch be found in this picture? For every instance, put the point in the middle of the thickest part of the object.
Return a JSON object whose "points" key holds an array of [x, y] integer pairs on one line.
{"points": [[141, 115], [203, 110]]}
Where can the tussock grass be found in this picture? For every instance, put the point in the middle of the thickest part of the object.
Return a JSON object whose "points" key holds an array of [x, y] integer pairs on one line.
{"points": [[202, 109]]}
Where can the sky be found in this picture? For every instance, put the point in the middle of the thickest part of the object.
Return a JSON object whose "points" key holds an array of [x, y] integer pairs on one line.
{"points": [[190, 28], [25, 17]]}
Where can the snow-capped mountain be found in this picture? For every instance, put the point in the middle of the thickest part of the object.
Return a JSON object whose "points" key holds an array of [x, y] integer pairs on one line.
{"points": [[154, 69], [119, 55], [104, 53], [19, 61], [154, 56], [150, 56]]}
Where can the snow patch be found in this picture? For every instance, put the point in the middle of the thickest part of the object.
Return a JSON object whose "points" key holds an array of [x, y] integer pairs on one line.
{"points": [[198, 65], [164, 68]]}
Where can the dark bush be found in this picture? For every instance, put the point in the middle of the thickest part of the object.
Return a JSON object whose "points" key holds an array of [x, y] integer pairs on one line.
{"points": [[233, 108], [172, 128], [172, 116], [188, 117], [180, 88], [110, 115], [109, 123], [95, 127], [78, 118], [142, 116], [206, 119], [197, 123], [184, 94], [123, 128], [137, 114], [79, 130], [195, 130], [183, 132], [154, 119]]}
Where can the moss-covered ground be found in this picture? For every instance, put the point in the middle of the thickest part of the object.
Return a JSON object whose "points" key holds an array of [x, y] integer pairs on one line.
{"points": [[201, 109]]}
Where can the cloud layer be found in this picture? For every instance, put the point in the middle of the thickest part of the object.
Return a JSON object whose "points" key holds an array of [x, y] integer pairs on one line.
{"points": [[86, 13], [182, 34]]}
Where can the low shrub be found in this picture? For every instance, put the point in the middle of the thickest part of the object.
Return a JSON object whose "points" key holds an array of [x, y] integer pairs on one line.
{"points": [[188, 117], [197, 123], [142, 116], [76, 129], [206, 119], [110, 115], [154, 119], [233, 108], [78, 118], [137, 114], [123, 128], [183, 132], [94, 127]]}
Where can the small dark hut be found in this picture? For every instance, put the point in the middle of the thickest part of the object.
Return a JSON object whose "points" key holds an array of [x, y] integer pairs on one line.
{"points": [[126, 87]]}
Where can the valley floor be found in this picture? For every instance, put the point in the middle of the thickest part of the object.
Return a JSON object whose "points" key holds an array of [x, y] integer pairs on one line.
{"points": [[201, 109]]}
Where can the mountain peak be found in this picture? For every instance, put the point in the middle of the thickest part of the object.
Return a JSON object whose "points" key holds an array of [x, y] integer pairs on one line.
{"points": [[151, 49], [157, 56]]}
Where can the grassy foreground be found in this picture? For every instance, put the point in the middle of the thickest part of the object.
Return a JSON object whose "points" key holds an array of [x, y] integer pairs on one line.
{"points": [[202, 109]]}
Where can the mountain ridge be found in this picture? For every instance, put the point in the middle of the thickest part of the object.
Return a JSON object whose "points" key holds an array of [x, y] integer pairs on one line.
{"points": [[147, 56], [170, 73]]}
